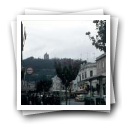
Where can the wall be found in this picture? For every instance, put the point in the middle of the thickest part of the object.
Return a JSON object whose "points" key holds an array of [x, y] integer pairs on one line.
{"points": [[101, 66], [56, 83], [86, 68]]}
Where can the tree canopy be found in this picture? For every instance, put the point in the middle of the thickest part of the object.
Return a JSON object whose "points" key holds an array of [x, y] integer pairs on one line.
{"points": [[44, 85], [46, 69], [43, 69], [67, 70], [100, 40]]}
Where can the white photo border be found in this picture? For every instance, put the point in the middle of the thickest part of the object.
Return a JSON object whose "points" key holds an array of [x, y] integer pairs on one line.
{"points": [[63, 18]]}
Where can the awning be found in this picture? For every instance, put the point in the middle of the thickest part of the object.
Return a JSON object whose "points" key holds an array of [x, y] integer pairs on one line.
{"points": [[94, 78]]}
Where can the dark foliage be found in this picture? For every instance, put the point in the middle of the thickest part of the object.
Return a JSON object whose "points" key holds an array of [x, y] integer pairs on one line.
{"points": [[100, 40], [44, 85]]}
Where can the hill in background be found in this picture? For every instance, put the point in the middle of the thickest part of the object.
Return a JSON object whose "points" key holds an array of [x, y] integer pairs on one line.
{"points": [[45, 69]]}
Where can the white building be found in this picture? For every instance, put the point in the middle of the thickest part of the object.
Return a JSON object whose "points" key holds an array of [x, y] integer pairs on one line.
{"points": [[101, 64], [56, 83], [74, 85], [101, 70], [86, 71], [91, 79]]}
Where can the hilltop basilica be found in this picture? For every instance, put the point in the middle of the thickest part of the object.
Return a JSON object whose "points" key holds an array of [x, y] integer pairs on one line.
{"points": [[46, 56]]}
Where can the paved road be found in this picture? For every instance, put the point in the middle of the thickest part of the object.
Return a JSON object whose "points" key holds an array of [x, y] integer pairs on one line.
{"points": [[72, 102]]}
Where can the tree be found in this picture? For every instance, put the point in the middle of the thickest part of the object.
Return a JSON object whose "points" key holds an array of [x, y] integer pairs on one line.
{"points": [[43, 69], [67, 71], [44, 85], [100, 41]]}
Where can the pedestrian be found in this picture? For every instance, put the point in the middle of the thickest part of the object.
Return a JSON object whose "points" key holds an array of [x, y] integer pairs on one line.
{"points": [[52, 102], [44, 99], [36, 98]]}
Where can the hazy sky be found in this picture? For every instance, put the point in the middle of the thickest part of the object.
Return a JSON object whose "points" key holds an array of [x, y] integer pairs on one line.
{"points": [[60, 39]]}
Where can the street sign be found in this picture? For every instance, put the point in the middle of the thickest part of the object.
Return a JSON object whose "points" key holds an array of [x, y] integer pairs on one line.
{"points": [[29, 70]]}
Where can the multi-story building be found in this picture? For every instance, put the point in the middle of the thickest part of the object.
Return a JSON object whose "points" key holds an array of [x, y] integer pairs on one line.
{"points": [[101, 71], [101, 64], [92, 76], [87, 70]]}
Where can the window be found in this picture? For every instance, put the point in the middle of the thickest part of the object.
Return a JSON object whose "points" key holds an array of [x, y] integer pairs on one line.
{"points": [[85, 75], [82, 75], [104, 89], [91, 73], [103, 64], [78, 79], [98, 64]]}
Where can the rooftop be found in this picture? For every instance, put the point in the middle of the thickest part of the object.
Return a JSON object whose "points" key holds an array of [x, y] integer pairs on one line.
{"points": [[87, 65], [101, 56]]}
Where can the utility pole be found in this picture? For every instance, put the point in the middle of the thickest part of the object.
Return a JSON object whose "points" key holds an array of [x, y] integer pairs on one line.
{"points": [[87, 57], [66, 95]]}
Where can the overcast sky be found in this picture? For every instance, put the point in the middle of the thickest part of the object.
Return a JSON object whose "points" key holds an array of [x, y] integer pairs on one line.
{"points": [[60, 39]]}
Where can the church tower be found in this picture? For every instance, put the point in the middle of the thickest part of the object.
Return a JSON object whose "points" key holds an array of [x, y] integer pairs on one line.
{"points": [[46, 56]]}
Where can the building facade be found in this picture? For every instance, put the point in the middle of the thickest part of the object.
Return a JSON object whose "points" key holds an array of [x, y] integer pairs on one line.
{"points": [[101, 70], [101, 64], [92, 76], [87, 70], [56, 83], [74, 85]]}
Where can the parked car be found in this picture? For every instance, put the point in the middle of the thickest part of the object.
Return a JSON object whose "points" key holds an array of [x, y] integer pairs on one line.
{"points": [[80, 98]]}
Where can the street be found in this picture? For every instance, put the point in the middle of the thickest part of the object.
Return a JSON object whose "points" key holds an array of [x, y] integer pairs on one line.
{"points": [[72, 102]]}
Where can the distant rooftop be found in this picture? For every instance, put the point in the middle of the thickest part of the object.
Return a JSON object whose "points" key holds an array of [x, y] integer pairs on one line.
{"points": [[87, 65], [101, 56]]}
